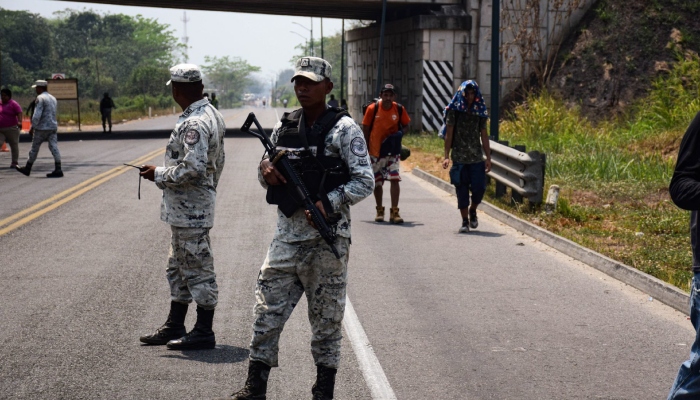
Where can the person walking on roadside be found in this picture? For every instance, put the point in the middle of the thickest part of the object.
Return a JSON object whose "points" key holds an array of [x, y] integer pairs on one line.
{"points": [[685, 193], [44, 129], [214, 101], [194, 160], [299, 261], [106, 106], [382, 126], [468, 143], [333, 102], [10, 124]]}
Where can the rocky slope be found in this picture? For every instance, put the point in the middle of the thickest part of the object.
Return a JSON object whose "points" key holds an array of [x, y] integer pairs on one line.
{"points": [[618, 50]]}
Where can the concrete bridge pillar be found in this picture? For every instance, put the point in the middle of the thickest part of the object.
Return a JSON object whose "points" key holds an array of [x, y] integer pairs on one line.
{"points": [[425, 56]]}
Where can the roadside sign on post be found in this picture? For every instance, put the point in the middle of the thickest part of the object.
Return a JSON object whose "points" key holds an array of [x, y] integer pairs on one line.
{"points": [[64, 89]]}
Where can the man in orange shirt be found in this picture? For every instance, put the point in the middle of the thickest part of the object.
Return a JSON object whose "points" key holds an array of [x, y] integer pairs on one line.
{"points": [[383, 128]]}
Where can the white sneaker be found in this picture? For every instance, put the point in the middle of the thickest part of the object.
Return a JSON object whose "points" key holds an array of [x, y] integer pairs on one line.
{"points": [[464, 228]]}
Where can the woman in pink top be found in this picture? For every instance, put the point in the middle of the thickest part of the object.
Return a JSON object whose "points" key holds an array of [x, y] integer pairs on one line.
{"points": [[10, 123]]}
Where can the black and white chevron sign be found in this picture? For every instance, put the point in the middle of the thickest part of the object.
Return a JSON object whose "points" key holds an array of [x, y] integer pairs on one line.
{"points": [[437, 92]]}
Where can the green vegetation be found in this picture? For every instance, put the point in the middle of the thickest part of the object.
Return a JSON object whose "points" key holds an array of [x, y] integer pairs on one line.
{"points": [[613, 176], [230, 77], [106, 53], [127, 108], [332, 54], [604, 13], [284, 89], [126, 56]]}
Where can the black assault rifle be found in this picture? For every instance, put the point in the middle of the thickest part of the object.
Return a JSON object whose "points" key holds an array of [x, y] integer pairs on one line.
{"points": [[294, 183]]}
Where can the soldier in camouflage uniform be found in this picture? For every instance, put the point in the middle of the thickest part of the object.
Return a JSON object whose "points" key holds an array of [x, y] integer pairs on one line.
{"points": [[194, 159], [299, 261], [465, 136], [44, 129]]}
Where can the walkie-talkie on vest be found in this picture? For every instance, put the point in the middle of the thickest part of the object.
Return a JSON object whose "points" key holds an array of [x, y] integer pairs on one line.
{"points": [[294, 182]]}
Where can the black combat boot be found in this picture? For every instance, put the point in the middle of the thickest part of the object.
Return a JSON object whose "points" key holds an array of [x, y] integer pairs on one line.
{"points": [[201, 337], [325, 383], [256, 384], [26, 169], [174, 327], [57, 173]]}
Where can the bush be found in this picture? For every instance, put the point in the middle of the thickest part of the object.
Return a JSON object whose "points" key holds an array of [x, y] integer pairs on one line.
{"points": [[674, 99]]}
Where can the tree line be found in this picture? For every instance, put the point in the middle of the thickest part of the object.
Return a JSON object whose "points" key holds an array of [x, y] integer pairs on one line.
{"points": [[127, 56], [332, 52]]}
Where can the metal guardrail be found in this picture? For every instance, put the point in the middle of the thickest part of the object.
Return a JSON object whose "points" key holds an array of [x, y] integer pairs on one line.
{"points": [[522, 172]]}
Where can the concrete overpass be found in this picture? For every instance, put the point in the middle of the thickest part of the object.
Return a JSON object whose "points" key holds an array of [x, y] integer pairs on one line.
{"points": [[355, 9], [430, 46]]}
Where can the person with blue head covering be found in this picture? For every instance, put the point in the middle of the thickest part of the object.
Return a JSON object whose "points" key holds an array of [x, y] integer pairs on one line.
{"points": [[467, 141]]}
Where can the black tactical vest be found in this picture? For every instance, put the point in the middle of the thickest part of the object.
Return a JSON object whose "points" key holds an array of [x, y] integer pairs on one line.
{"points": [[321, 174]]}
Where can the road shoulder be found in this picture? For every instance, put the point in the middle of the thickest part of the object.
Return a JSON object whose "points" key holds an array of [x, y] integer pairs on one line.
{"points": [[656, 288]]}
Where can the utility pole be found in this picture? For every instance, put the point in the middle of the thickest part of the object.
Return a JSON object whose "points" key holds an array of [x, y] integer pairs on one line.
{"points": [[322, 39], [495, 67], [186, 38], [342, 62], [380, 62], [312, 36]]}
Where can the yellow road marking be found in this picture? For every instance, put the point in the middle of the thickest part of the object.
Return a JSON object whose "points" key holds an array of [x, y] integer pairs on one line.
{"points": [[74, 188], [56, 201]]}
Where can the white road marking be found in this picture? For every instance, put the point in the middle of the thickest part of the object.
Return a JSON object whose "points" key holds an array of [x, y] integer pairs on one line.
{"points": [[369, 364]]}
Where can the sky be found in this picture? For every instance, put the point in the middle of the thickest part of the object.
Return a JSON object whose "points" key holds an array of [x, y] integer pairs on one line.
{"points": [[262, 40]]}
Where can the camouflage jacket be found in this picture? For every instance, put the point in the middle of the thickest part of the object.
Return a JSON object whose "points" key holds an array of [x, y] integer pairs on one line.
{"points": [[466, 139], [44, 118], [194, 159], [346, 141]]}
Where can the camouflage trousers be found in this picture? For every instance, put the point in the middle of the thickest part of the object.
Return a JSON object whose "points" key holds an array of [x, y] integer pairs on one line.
{"points": [[191, 267], [40, 137], [293, 269]]}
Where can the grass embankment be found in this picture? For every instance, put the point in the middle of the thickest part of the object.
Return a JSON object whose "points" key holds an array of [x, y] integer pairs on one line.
{"points": [[613, 176], [127, 108], [70, 117]]}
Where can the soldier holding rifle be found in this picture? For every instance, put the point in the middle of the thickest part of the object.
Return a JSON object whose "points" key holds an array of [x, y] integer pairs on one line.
{"points": [[328, 150]]}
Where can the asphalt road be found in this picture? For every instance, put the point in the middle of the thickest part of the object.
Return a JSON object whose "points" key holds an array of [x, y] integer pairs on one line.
{"points": [[160, 122], [488, 315]]}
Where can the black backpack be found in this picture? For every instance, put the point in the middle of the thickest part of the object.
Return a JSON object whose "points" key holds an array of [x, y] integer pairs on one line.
{"points": [[367, 104], [392, 144]]}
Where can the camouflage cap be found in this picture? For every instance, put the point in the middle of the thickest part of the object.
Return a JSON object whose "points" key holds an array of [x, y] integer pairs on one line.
{"points": [[314, 68], [185, 73]]}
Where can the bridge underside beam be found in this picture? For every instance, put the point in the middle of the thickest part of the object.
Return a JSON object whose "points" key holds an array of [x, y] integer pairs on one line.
{"points": [[363, 9]]}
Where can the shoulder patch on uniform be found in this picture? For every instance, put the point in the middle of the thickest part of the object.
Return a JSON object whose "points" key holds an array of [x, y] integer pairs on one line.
{"points": [[191, 137], [358, 147]]}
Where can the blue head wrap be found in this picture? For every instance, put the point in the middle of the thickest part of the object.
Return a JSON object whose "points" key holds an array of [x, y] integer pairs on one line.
{"points": [[459, 103]]}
